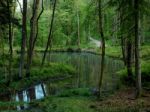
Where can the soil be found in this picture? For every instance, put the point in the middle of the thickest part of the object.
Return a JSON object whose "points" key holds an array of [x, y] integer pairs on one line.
{"points": [[125, 98]]}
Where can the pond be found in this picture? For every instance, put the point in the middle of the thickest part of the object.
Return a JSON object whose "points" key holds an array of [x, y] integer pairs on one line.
{"points": [[88, 71]]}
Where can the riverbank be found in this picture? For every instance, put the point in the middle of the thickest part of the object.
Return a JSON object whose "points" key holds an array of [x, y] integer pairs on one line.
{"points": [[81, 100], [111, 51], [50, 71]]}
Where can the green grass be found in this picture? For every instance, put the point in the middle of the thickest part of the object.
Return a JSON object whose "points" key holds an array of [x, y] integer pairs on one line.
{"points": [[65, 104], [38, 74], [75, 92], [60, 104]]}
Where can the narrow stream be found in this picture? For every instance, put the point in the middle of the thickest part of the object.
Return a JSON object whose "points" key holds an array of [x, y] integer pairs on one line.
{"points": [[88, 71]]}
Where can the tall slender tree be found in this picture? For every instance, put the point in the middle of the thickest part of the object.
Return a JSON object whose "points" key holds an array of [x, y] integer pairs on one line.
{"points": [[103, 44], [24, 36], [78, 24], [137, 48], [49, 41], [10, 37], [33, 35]]}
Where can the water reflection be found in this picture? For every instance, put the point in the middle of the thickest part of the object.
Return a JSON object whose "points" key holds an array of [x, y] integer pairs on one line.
{"points": [[88, 68], [32, 93]]}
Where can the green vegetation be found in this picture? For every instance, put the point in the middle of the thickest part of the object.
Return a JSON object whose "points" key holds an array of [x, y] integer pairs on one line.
{"points": [[51, 71], [66, 104], [31, 31], [145, 74], [78, 100]]}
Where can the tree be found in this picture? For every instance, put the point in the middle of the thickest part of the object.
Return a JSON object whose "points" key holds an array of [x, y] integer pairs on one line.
{"points": [[33, 33], [78, 22], [103, 45], [24, 36], [137, 49], [10, 38], [125, 8], [50, 33]]}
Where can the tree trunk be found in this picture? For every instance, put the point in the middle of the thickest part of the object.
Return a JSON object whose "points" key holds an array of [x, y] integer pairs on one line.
{"points": [[137, 50], [129, 59], [103, 47], [33, 32], [10, 40], [123, 39], [24, 36], [123, 47], [78, 21], [50, 33]]}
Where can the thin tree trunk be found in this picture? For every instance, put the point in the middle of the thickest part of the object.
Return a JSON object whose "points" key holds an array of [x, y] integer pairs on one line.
{"points": [[43, 89], [137, 50], [103, 47], [20, 96], [10, 41], [37, 28], [31, 92], [50, 33], [123, 44], [123, 50], [78, 21], [24, 36], [13, 15], [33, 32], [129, 59]]}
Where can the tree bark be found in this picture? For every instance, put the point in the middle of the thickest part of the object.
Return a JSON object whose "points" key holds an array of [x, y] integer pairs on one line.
{"points": [[129, 59], [33, 32], [50, 34], [103, 47], [78, 21], [24, 36], [10, 40], [137, 50], [123, 39]]}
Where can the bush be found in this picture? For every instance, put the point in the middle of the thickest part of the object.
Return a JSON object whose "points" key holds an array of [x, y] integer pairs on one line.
{"points": [[145, 70]]}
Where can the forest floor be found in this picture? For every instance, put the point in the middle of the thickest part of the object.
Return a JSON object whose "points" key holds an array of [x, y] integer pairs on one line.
{"points": [[124, 101]]}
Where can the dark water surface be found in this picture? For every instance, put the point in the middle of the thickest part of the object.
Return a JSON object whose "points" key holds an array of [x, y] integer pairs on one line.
{"points": [[88, 71]]}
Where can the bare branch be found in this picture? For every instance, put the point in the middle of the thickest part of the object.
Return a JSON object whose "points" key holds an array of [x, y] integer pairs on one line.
{"points": [[20, 6]]}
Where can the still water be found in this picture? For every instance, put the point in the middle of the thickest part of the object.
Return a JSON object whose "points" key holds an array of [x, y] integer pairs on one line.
{"points": [[88, 70]]}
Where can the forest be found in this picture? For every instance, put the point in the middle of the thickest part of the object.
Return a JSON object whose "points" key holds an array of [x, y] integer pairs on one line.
{"points": [[75, 55]]}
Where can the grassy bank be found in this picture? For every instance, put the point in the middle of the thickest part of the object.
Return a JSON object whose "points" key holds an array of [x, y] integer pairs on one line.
{"points": [[50, 71], [112, 51], [81, 100]]}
